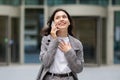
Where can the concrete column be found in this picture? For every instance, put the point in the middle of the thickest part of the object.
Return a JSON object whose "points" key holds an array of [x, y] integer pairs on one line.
{"points": [[9, 38], [110, 2], [77, 1], [110, 36], [45, 13], [99, 41], [22, 22]]}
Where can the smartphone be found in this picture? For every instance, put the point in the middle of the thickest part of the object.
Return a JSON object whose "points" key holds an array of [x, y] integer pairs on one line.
{"points": [[52, 23]]}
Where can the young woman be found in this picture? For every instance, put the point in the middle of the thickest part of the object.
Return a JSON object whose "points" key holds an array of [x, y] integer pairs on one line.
{"points": [[61, 53]]}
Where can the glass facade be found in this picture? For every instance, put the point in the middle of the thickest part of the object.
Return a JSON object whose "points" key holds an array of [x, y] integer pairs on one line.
{"points": [[116, 2], [34, 2], [83, 27], [90, 2], [15, 32], [95, 2], [9, 42], [104, 22], [10, 2], [117, 38], [59, 2], [3, 39], [34, 20]]}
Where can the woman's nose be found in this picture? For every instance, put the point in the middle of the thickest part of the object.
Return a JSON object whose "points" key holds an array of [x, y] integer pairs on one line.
{"points": [[61, 18]]}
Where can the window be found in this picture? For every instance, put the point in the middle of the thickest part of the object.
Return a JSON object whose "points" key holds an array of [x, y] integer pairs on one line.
{"points": [[34, 19], [34, 2], [10, 2], [95, 2], [117, 38], [58, 2], [116, 2]]}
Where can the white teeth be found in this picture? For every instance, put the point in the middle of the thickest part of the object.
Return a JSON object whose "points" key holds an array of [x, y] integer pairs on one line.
{"points": [[62, 23]]}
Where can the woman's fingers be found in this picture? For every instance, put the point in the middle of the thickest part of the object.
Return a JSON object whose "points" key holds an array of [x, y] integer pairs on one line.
{"points": [[64, 46], [53, 31]]}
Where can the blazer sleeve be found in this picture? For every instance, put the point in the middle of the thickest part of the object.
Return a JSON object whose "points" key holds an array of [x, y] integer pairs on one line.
{"points": [[75, 58], [48, 50]]}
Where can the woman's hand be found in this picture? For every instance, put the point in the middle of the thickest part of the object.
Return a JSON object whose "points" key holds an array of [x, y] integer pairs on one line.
{"points": [[64, 47], [54, 30]]}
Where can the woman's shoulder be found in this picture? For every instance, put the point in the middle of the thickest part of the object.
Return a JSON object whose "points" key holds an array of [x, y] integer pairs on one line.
{"points": [[76, 41], [47, 37]]}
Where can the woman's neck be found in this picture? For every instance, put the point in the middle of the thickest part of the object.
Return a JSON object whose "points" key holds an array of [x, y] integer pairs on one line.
{"points": [[62, 33]]}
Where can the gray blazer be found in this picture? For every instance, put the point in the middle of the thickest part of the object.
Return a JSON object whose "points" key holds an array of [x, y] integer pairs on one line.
{"points": [[74, 56]]}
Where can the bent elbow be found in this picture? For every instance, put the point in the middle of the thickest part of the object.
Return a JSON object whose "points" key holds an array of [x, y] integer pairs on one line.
{"points": [[78, 69]]}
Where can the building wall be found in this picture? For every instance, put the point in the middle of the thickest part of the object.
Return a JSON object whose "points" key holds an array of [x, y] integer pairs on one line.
{"points": [[75, 8], [82, 10], [9, 11]]}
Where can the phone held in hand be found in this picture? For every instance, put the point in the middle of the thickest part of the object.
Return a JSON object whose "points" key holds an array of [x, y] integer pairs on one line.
{"points": [[52, 24]]}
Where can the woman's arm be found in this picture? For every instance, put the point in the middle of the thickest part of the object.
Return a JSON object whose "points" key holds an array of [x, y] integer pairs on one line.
{"points": [[48, 50], [75, 58]]}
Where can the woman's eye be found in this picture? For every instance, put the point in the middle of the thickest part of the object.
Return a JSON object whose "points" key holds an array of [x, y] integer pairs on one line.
{"points": [[57, 17], [64, 16]]}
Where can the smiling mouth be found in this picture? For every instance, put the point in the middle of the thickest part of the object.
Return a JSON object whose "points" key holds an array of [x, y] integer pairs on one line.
{"points": [[62, 24]]}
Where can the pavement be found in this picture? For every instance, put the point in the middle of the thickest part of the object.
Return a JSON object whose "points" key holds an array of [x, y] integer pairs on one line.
{"points": [[29, 72]]}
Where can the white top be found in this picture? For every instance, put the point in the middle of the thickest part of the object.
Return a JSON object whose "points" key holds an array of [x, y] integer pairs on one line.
{"points": [[60, 64]]}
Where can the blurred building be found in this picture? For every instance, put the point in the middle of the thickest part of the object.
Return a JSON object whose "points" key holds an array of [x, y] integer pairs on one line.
{"points": [[97, 25]]}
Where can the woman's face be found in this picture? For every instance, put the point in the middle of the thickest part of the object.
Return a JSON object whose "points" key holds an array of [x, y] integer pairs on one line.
{"points": [[61, 20]]}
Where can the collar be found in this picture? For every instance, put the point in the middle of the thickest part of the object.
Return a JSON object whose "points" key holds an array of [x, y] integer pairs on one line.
{"points": [[73, 41]]}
